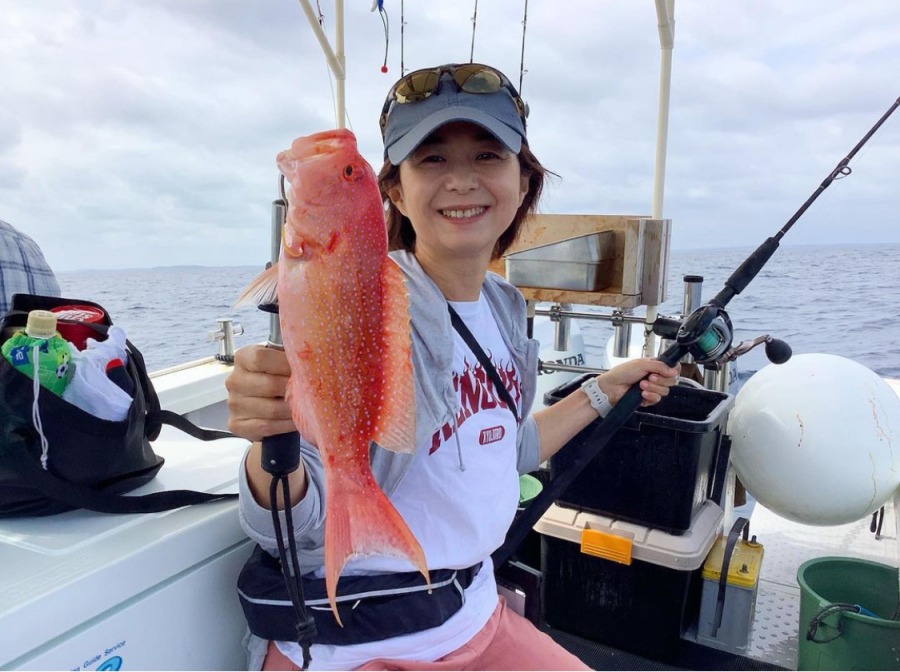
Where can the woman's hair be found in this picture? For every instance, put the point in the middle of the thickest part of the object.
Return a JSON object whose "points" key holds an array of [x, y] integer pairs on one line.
{"points": [[401, 235]]}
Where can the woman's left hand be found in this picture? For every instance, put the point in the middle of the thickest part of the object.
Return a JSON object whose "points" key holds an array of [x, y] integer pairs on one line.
{"points": [[655, 379]]}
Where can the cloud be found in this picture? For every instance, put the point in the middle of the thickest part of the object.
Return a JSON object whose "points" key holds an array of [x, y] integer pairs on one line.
{"points": [[144, 134]]}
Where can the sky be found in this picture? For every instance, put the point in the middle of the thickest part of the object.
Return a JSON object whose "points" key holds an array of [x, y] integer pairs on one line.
{"points": [[142, 134]]}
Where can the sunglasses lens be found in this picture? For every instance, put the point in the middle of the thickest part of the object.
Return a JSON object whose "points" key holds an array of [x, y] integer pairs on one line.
{"points": [[416, 86], [477, 79], [469, 77]]}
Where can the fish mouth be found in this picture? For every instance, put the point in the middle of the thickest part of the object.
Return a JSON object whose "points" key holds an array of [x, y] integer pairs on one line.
{"points": [[322, 145]]}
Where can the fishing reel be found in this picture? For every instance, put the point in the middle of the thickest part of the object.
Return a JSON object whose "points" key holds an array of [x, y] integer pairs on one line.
{"points": [[707, 335]]}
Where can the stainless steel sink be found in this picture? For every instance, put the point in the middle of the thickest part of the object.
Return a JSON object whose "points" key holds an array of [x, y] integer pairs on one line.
{"points": [[583, 263]]}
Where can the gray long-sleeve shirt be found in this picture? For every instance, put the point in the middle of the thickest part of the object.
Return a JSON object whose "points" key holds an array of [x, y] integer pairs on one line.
{"points": [[436, 405]]}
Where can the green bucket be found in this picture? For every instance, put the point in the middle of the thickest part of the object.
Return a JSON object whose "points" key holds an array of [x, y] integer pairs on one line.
{"points": [[835, 634]]}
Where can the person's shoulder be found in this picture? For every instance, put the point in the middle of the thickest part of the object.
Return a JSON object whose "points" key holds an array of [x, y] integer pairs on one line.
{"points": [[500, 284], [14, 236], [502, 294], [7, 230]]}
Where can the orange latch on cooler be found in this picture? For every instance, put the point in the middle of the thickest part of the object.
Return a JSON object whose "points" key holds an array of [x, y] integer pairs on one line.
{"points": [[605, 545]]}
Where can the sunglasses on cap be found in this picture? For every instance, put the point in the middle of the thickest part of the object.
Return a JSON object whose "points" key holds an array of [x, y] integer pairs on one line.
{"points": [[469, 77]]}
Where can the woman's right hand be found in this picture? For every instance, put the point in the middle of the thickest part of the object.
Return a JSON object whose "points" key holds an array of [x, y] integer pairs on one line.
{"points": [[256, 389]]}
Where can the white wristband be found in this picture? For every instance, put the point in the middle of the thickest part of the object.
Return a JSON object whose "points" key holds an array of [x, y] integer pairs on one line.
{"points": [[597, 397]]}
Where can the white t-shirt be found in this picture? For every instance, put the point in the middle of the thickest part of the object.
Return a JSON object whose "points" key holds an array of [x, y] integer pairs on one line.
{"points": [[458, 499]]}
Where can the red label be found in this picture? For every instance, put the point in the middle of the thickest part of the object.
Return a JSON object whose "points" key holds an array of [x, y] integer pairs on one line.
{"points": [[491, 435], [78, 313]]}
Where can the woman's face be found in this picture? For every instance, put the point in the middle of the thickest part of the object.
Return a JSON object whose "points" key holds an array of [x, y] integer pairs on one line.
{"points": [[460, 190]]}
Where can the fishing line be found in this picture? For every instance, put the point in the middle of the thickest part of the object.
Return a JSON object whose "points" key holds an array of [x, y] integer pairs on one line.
{"points": [[522, 57], [474, 22], [402, 26], [840, 171], [321, 16], [379, 5]]}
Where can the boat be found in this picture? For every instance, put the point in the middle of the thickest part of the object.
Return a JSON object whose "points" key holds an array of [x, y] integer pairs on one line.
{"points": [[86, 591]]}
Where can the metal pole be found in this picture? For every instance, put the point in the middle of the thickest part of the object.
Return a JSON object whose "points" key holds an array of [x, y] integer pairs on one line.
{"points": [[340, 103], [556, 313], [279, 210], [665, 18], [561, 341], [335, 60], [622, 333]]}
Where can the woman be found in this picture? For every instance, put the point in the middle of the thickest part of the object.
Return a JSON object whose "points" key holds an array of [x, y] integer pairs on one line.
{"points": [[459, 180]]}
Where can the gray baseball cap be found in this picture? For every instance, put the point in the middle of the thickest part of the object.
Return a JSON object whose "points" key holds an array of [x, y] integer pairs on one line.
{"points": [[408, 124]]}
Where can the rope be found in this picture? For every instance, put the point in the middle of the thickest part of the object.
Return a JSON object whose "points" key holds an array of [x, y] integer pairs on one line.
{"points": [[35, 408], [822, 614], [306, 629]]}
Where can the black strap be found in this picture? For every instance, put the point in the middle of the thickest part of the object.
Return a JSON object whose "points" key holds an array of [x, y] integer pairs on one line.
{"points": [[485, 361], [739, 524], [83, 497], [177, 421], [280, 458]]}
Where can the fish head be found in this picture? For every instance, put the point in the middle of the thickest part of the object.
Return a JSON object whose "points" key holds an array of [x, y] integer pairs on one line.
{"points": [[330, 187]]}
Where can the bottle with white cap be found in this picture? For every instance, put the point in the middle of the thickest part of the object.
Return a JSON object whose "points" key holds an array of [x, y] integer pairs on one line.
{"points": [[39, 346]]}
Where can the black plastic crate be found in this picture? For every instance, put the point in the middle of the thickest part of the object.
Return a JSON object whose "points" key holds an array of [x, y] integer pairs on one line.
{"points": [[659, 467], [645, 606]]}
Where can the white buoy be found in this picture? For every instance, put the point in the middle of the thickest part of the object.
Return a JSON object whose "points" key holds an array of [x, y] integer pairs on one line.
{"points": [[817, 439]]}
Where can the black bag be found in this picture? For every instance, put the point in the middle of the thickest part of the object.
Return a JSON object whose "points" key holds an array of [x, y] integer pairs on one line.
{"points": [[91, 460], [372, 607]]}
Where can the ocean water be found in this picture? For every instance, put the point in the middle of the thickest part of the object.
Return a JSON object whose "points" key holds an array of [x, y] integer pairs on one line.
{"points": [[843, 300]]}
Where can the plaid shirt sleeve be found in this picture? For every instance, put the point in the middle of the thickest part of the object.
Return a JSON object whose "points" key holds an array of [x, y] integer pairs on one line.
{"points": [[23, 269]]}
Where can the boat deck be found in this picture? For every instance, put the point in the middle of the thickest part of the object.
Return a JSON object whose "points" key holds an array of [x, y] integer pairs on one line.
{"points": [[774, 635], [787, 546]]}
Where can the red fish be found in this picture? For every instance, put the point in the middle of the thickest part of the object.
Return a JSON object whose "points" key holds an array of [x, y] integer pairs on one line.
{"points": [[344, 314]]}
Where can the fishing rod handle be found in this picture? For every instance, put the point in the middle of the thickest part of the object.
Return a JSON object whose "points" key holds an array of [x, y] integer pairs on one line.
{"points": [[281, 453]]}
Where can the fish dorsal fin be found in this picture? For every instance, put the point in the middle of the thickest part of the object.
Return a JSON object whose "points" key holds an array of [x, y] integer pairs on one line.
{"points": [[396, 429], [261, 290]]}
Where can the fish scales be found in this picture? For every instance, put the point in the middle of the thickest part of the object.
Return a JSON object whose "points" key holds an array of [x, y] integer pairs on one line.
{"points": [[344, 317]]}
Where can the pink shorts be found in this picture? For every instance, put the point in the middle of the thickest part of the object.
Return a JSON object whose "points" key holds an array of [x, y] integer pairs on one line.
{"points": [[506, 642]]}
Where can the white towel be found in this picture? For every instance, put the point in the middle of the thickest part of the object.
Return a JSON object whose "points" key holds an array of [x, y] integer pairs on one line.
{"points": [[91, 389]]}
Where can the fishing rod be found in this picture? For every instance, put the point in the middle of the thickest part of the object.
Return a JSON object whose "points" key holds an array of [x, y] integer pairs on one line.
{"points": [[280, 457], [706, 334]]}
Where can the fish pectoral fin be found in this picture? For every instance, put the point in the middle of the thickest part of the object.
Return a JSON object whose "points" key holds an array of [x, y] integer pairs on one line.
{"points": [[396, 429], [261, 290], [300, 422]]}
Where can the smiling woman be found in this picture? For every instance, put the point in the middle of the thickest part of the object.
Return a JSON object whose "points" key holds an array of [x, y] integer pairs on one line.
{"points": [[454, 197], [459, 180]]}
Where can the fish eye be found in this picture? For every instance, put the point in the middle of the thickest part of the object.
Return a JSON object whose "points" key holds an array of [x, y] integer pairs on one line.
{"points": [[348, 171]]}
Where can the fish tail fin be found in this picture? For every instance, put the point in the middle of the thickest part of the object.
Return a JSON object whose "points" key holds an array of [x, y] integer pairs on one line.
{"points": [[362, 521], [261, 290]]}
